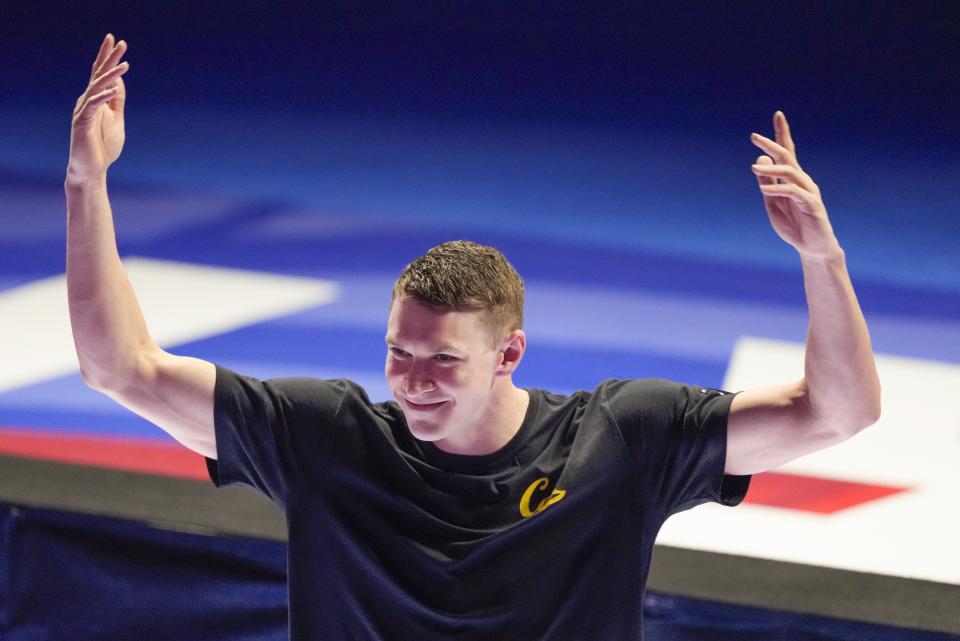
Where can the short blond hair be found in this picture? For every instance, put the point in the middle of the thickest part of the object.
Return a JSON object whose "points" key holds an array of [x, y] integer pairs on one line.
{"points": [[462, 275]]}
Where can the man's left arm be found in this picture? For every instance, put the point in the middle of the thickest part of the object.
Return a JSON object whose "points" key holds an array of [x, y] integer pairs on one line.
{"points": [[840, 392]]}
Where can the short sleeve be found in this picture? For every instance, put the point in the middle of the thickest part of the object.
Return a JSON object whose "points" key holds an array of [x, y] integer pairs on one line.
{"points": [[266, 429], [677, 436]]}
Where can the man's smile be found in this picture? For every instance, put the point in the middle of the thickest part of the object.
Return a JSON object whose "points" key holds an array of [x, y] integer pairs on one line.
{"points": [[425, 407]]}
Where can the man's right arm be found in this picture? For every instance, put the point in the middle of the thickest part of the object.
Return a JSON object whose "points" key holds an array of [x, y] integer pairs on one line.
{"points": [[117, 355]]}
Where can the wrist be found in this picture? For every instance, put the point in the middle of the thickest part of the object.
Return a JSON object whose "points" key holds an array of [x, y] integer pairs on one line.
{"points": [[76, 183], [832, 257]]}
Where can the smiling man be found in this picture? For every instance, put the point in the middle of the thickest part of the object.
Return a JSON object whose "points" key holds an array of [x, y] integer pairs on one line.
{"points": [[466, 508]]}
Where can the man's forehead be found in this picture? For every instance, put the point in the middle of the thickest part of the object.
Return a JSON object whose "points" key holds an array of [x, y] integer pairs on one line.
{"points": [[413, 323]]}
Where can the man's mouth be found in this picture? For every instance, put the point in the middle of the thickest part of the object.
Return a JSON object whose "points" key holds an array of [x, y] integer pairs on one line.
{"points": [[423, 407]]}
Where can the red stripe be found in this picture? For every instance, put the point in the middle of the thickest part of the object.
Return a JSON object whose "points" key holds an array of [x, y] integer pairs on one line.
{"points": [[164, 457], [813, 493], [135, 454]]}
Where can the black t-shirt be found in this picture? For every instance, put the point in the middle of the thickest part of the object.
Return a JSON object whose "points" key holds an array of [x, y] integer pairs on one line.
{"points": [[547, 539]]}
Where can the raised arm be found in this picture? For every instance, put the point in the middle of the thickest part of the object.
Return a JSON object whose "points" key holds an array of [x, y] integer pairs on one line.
{"points": [[116, 353], [840, 392]]}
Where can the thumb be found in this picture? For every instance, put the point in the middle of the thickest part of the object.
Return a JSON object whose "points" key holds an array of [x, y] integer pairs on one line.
{"points": [[761, 179]]}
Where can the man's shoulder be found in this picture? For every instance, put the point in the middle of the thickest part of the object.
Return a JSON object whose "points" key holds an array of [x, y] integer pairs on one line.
{"points": [[643, 398], [621, 398], [636, 389], [614, 386], [294, 390]]}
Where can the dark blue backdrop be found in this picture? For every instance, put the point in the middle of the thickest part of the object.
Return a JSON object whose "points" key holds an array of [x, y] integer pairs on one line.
{"points": [[883, 73]]}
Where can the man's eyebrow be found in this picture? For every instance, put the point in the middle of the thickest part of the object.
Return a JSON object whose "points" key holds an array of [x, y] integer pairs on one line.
{"points": [[390, 340]]}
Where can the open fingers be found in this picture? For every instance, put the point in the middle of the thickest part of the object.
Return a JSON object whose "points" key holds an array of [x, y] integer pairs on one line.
{"points": [[113, 57], [774, 149], [107, 78], [786, 173], [108, 81], [105, 48], [782, 129]]}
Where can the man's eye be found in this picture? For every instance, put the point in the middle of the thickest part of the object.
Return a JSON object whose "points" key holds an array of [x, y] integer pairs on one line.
{"points": [[396, 351], [445, 358]]}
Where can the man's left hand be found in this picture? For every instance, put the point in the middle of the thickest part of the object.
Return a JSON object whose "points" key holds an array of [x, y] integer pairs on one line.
{"points": [[791, 197]]}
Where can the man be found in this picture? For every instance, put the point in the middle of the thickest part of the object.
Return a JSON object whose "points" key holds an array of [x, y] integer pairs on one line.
{"points": [[467, 508]]}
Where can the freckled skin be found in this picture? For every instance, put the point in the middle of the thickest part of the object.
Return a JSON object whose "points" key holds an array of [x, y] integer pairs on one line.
{"points": [[481, 408]]}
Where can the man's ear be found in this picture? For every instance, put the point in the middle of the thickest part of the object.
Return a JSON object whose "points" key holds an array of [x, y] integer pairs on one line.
{"points": [[511, 352]]}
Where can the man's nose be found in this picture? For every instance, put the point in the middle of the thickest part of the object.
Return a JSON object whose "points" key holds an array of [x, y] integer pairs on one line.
{"points": [[418, 380]]}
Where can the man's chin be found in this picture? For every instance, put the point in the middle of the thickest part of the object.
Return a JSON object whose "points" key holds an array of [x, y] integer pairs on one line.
{"points": [[424, 428], [423, 432]]}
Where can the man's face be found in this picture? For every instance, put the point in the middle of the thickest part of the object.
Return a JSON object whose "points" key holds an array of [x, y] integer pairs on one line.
{"points": [[440, 367]]}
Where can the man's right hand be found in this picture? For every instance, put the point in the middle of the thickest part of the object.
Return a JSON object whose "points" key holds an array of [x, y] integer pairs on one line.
{"points": [[97, 134]]}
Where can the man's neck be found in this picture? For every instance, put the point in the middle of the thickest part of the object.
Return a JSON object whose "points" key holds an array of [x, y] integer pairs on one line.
{"points": [[501, 423]]}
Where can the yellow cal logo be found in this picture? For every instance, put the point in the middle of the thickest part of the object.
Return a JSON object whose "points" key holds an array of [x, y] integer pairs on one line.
{"points": [[539, 484]]}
